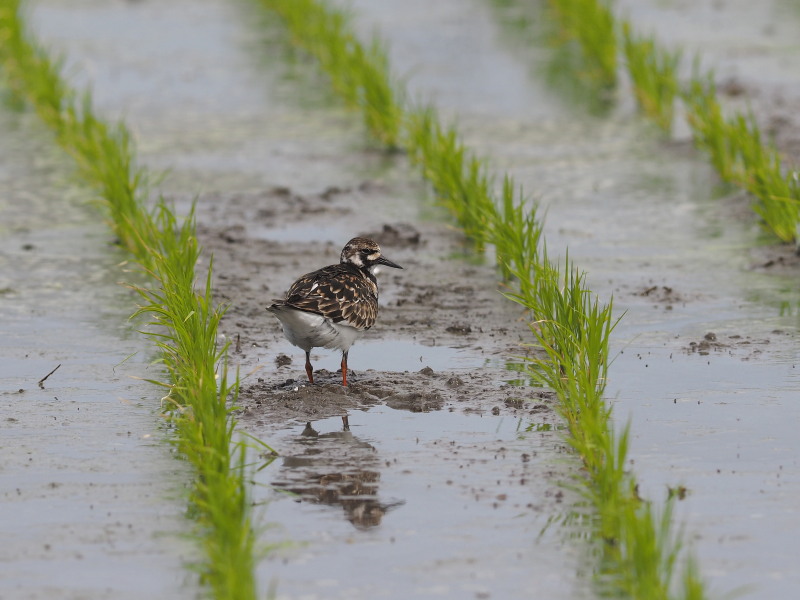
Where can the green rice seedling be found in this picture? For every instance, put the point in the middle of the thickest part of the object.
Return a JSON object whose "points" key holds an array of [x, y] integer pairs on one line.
{"points": [[516, 234], [653, 72], [527, 24], [102, 153], [590, 23], [739, 156], [459, 179], [734, 144], [758, 170], [778, 200], [185, 326], [709, 127], [186, 322], [358, 73]]}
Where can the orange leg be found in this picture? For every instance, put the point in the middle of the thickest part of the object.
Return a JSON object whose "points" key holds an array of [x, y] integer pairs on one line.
{"points": [[344, 369], [309, 368]]}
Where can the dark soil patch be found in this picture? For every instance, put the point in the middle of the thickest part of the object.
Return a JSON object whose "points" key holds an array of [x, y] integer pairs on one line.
{"points": [[716, 343], [293, 401], [776, 258]]}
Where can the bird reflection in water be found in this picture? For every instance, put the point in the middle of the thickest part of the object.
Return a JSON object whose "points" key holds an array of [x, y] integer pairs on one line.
{"points": [[336, 468]]}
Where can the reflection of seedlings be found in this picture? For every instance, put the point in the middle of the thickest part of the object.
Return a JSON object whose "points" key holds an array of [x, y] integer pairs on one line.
{"points": [[539, 427], [43, 379], [679, 492]]}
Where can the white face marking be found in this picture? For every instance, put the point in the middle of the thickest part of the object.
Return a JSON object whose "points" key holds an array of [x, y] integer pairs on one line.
{"points": [[356, 260], [374, 256]]}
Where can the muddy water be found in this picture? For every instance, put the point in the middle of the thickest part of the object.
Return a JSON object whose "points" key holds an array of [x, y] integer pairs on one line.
{"points": [[90, 497], [423, 488]]}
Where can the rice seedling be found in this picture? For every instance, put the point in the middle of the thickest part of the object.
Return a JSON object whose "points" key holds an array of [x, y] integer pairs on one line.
{"points": [[590, 24], [568, 323], [653, 72], [357, 73], [733, 144], [459, 179], [737, 152], [185, 321]]}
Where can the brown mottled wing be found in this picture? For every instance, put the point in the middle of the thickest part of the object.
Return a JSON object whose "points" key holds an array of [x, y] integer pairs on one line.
{"points": [[338, 292]]}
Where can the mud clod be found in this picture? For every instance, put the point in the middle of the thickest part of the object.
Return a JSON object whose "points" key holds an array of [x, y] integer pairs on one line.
{"points": [[459, 329], [455, 382], [515, 403], [415, 402], [398, 235]]}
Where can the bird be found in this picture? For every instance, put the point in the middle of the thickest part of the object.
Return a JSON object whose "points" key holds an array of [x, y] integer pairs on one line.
{"points": [[333, 306]]}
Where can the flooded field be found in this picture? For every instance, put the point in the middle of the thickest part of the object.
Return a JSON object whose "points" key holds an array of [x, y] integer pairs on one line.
{"points": [[445, 483]]}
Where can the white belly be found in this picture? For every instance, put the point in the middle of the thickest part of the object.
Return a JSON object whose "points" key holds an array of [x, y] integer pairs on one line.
{"points": [[308, 330]]}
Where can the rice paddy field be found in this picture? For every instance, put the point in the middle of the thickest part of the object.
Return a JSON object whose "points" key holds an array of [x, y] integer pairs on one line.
{"points": [[582, 384]]}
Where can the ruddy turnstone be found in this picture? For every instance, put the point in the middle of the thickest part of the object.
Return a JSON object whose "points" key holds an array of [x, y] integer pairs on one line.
{"points": [[332, 307]]}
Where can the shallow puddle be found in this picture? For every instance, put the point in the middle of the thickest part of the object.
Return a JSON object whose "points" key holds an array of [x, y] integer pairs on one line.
{"points": [[391, 355], [427, 505]]}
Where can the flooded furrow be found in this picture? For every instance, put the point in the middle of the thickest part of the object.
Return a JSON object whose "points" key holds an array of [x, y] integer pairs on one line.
{"points": [[90, 495]]}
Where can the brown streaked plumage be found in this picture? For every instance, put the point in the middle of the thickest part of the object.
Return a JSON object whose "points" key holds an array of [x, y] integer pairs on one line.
{"points": [[333, 306]]}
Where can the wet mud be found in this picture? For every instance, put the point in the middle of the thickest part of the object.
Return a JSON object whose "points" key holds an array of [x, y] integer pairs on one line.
{"points": [[438, 300]]}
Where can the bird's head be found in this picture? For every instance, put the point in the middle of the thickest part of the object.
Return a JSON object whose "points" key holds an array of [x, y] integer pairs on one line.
{"points": [[365, 253]]}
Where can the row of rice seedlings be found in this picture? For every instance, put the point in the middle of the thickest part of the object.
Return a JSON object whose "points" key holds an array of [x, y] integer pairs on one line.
{"points": [[459, 179], [357, 73], [738, 154], [734, 144], [590, 24], [186, 321], [638, 545], [653, 73], [569, 324]]}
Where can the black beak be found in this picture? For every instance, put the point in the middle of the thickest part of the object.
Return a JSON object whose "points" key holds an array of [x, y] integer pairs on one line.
{"points": [[385, 261]]}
